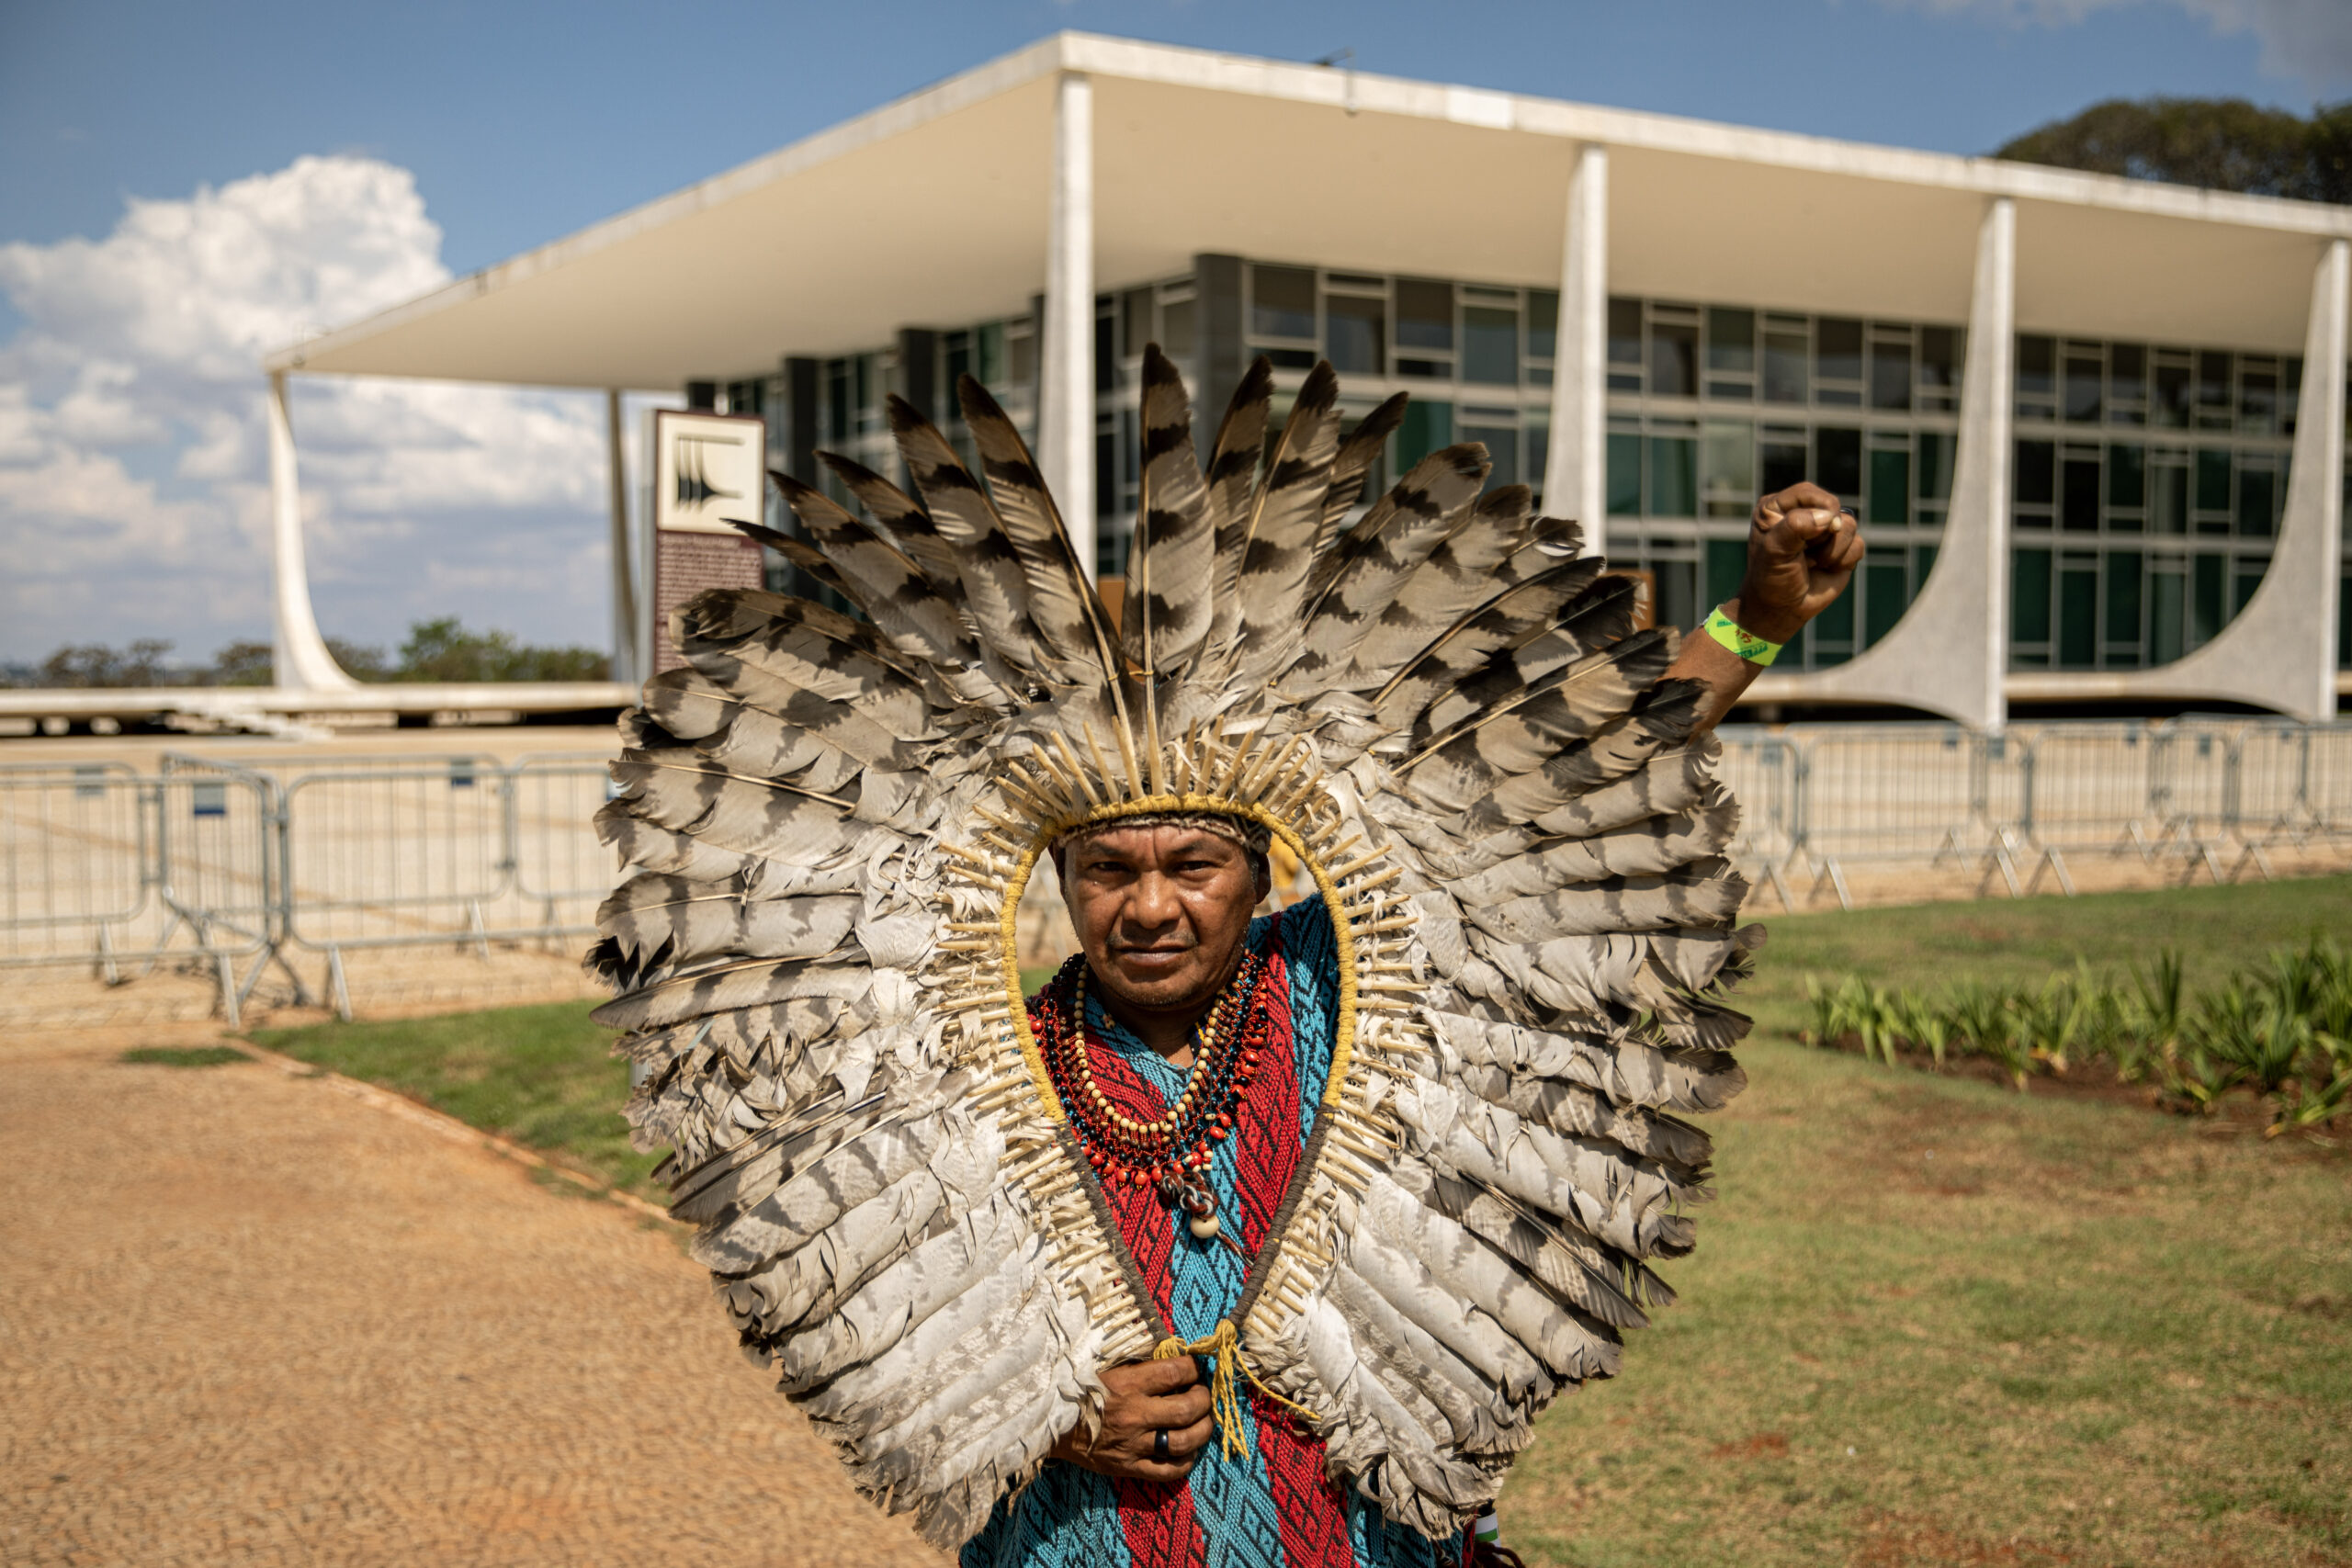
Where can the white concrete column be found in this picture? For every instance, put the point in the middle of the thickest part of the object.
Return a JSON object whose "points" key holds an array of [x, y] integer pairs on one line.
{"points": [[1066, 369], [299, 658], [624, 667], [2310, 537], [1949, 654], [1575, 473]]}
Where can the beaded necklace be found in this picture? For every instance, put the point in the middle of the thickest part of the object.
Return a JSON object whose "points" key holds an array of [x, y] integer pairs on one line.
{"points": [[1170, 1151]]}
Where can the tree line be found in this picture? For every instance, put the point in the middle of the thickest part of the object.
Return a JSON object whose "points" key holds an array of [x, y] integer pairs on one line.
{"points": [[442, 649], [2216, 143]]}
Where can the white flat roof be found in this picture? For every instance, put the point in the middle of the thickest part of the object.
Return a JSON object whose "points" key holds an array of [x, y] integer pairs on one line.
{"points": [[932, 212]]}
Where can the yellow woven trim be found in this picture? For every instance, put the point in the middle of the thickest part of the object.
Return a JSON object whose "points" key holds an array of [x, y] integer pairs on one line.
{"points": [[1343, 1034], [1224, 1348]]}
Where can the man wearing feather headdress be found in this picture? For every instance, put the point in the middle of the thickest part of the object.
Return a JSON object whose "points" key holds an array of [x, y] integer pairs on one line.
{"points": [[1244, 1240]]}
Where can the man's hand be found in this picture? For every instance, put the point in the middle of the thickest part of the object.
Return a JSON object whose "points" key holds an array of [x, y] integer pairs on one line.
{"points": [[1802, 551], [1139, 1400]]}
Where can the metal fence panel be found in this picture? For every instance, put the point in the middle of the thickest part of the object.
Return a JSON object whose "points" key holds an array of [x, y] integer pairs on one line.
{"points": [[379, 857], [75, 855], [559, 860], [1890, 791], [2329, 782], [2090, 787]]}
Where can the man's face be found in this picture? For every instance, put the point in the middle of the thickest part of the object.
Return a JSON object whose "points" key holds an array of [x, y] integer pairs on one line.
{"points": [[1162, 911]]}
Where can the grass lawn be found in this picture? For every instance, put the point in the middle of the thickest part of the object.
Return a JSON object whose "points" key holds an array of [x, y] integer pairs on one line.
{"points": [[542, 1076], [1930, 1321]]}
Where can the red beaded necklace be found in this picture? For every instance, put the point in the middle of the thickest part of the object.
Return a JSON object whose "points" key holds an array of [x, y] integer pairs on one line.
{"points": [[1171, 1150]]}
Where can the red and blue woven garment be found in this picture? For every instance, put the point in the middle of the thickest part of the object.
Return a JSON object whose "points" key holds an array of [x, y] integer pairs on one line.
{"points": [[1272, 1507]]}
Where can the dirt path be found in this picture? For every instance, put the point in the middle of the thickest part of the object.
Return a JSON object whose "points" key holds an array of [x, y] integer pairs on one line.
{"points": [[245, 1319]]}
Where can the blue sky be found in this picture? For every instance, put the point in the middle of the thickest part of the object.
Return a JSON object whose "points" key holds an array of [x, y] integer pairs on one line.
{"points": [[513, 124]]}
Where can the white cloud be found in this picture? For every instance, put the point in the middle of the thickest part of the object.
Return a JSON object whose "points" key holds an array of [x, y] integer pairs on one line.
{"points": [[133, 464], [2308, 41]]}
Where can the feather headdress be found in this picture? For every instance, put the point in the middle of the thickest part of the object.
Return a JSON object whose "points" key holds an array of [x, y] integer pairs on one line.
{"points": [[1443, 709]]}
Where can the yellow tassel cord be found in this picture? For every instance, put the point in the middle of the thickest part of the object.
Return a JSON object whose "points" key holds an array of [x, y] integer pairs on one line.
{"points": [[1224, 1348]]}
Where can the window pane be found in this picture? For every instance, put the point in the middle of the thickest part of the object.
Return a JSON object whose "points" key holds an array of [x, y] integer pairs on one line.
{"points": [[1885, 593], [2078, 504], [2078, 618], [1939, 357], [2205, 612], [1542, 323], [2213, 391], [1783, 462], [2167, 614], [2036, 366], [1840, 349], [2212, 481], [2171, 510], [1281, 301], [1135, 320], [2127, 364], [1427, 426], [1731, 340], [1357, 334], [1538, 441], [1890, 491], [2084, 403], [2030, 596], [1106, 353], [1889, 488], [1786, 376], [1020, 355], [1726, 565], [1837, 462], [1889, 375], [991, 355], [2257, 498], [1424, 314], [1624, 474], [2258, 403], [1936, 453], [1727, 470], [1674, 477], [2123, 596], [2248, 579], [1677, 592], [1625, 333], [2171, 407], [1490, 346], [2036, 477], [1674, 359], [2127, 478], [1502, 442], [1176, 329]]}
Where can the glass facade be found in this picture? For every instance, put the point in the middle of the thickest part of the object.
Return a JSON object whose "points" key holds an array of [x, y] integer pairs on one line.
{"points": [[2148, 485], [2148, 479], [1711, 406]]}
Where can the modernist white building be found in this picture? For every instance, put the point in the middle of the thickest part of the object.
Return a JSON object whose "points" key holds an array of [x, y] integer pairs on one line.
{"points": [[2095, 426]]}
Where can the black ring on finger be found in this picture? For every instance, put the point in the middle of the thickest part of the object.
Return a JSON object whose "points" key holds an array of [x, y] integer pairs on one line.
{"points": [[1160, 1445]]}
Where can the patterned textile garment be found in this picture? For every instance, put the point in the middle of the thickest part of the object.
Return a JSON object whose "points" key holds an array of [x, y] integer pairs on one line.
{"points": [[1272, 1507]]}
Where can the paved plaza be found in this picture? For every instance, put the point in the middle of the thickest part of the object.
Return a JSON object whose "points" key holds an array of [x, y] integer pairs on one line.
{"points": [[246, 1319]]}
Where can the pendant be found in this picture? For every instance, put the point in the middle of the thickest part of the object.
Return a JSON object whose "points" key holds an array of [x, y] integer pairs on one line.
{"points": [[1205, 1226]]}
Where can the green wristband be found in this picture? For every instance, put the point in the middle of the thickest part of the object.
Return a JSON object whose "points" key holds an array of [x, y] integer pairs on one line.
{"points": [[1746, 644]]}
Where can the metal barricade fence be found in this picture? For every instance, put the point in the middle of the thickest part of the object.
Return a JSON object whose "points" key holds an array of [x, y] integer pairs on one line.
{"points": [[233, 865], [1889, 792], [76, 849], [559, 861], [2088, 787], [2328, 781]]}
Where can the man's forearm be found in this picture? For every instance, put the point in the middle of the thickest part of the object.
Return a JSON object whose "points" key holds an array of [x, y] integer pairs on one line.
{"points": [[1724, 674]]}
